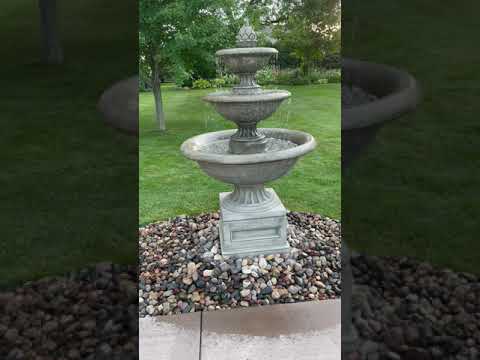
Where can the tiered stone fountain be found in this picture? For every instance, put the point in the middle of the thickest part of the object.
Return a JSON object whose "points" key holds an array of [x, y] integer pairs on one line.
{"points": [[253, 219]]}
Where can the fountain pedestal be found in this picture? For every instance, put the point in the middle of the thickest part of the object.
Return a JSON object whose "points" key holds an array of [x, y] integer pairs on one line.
{"points": [[252, 221]]}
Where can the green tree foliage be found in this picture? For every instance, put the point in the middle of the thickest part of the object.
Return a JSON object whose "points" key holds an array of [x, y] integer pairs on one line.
{"points": [[180, 37], [309, 28]]}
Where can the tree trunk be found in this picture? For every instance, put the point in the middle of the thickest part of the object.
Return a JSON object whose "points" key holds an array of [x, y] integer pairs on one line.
{"points": [[157, 94], [305, 66], [52, 49]]}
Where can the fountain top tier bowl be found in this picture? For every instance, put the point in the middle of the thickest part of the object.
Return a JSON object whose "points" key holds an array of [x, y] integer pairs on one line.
{"points": [[245, 60], [242, 61], [254, 51]]}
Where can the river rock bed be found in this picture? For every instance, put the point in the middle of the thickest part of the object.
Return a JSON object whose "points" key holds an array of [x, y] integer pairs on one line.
{"points": [[406, 309], [354, 96], [182, 270], [90, 314]]}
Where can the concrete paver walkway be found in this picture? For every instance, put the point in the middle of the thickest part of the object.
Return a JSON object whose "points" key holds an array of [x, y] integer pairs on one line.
{"points": [[170, 337], [302, 331]]}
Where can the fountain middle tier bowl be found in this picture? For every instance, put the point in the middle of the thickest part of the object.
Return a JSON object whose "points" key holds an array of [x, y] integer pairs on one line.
{"points": [[245, 60], [210, 152], [247, 109]]}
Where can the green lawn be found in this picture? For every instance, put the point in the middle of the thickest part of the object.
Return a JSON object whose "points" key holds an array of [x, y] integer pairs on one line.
{"points": [[171, 184], [68, 182], [422, 174]]}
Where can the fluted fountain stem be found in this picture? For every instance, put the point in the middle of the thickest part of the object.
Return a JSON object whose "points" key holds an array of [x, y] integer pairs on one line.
{"points": [[247, 85], [249, 194], [248, 132], [247, 140]]}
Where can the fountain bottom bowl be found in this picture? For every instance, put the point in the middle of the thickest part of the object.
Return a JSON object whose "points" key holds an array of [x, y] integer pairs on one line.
{"points": [[209, 150]]}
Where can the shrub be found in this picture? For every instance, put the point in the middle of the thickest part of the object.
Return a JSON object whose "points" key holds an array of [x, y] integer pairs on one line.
{"points": [[300, 80], [315, 76], [325, 76], [230, 79], [332, 61], [183, 78], [201, 84], [296, 77], [284, 77], [218, 82], [333, 76], [143, 85], [266, 76], [293, 77]]}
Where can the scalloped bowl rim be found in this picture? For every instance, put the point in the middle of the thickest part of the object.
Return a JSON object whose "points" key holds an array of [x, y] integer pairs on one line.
{"points": [[247, 51], [265, 96], [189, 148], [405, 97]]}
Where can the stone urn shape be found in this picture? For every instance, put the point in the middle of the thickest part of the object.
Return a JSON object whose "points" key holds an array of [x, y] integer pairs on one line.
{"points": [[252, 218]]}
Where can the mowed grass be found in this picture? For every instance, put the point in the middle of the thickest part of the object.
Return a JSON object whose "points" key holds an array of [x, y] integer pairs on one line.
{"points": [[68, 182], [171, 185], [422, 173]]}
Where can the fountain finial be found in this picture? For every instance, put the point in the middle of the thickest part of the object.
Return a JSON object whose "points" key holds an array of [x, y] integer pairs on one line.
{"points": [[246, 37]]}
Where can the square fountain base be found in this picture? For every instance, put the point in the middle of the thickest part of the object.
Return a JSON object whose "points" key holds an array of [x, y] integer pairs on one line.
{"points": [[255, 232]]}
